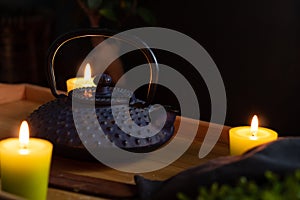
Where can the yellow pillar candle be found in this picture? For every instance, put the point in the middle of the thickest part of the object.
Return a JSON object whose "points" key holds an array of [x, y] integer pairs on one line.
{"points": [[25, 165], [80, 82], [244, 138]]}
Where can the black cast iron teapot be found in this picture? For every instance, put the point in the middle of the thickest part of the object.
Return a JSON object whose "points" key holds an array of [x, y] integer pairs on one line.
{"points": [[54, 120]]}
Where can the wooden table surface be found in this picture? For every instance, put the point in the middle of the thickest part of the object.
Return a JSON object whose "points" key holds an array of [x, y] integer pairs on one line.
{"points": [[18, 101]]}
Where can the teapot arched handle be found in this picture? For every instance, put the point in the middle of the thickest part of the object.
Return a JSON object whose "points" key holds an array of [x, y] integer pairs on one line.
{"points": [[90, 32]]}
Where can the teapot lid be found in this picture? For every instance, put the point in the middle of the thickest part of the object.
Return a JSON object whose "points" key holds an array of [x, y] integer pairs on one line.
{"points": [[102, 94]]}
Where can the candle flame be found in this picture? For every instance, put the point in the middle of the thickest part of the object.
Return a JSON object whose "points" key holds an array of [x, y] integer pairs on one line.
{"points": [[24, 135], [254, 125], [87, 72]]}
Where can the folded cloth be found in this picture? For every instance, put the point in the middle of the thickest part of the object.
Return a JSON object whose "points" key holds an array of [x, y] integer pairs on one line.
{"points": [[281, 157]]}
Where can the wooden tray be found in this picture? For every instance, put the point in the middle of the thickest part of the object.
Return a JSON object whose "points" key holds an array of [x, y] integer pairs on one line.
{"points": [[18, 101]]}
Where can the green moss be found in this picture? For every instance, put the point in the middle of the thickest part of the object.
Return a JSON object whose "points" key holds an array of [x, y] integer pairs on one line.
{"points": [[275, 188]]}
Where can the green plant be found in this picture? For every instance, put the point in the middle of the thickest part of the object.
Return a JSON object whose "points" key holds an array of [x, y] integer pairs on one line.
{"points": [[275, 188], [116, 11]]}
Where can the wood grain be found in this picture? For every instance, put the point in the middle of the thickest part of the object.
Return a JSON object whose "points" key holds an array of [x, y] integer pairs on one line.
{"points": [[91, 185], [71, 179]]}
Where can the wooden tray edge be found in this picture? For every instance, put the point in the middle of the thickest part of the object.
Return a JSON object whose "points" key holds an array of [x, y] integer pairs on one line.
{"points": [[11, 92], [37, 93]]}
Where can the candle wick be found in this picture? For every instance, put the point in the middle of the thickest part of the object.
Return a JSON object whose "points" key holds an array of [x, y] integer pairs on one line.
{"points": [[24, 146], [253, 133]]}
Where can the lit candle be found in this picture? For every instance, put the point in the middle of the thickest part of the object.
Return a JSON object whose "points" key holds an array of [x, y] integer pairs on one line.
{"points": [[80, 82], [25, 165], [244, 138]]}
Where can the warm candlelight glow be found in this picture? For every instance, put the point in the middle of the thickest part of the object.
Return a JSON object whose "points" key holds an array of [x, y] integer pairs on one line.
{"points": [[244, 138], [82, 82], [24, 135], [87, 72], [25, 165], [254, 126]]}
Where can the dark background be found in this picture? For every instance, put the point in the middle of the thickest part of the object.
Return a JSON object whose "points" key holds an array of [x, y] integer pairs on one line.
{"points": [[255, 45]]}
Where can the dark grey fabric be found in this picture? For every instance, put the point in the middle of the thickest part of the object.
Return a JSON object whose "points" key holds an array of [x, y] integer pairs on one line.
{"points": [[281, 157]]}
